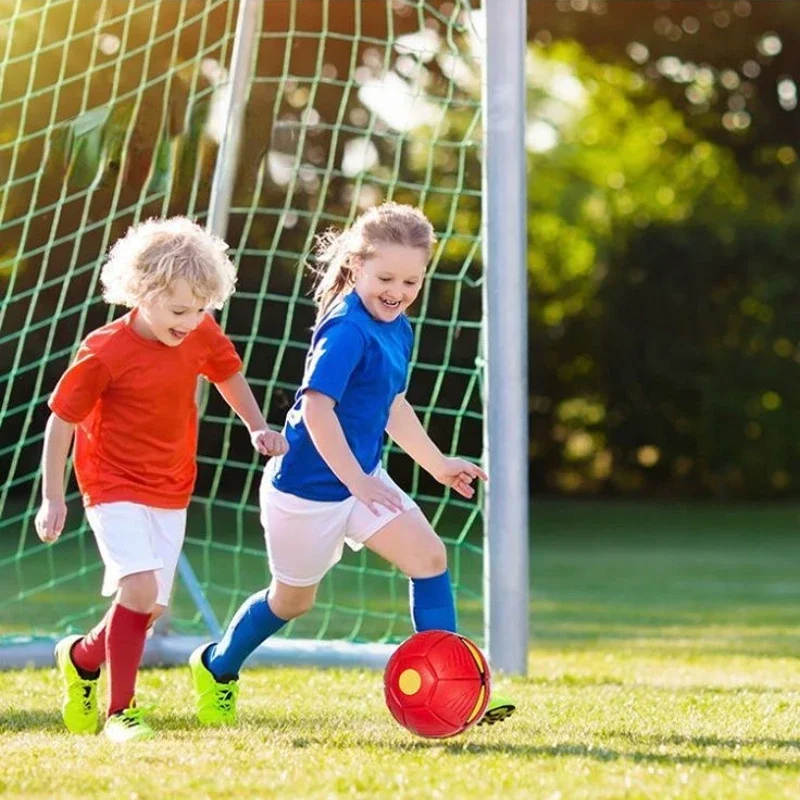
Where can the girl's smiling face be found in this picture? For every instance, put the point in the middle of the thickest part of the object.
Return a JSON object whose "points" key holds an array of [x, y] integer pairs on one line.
{"points": [[389, 280]]}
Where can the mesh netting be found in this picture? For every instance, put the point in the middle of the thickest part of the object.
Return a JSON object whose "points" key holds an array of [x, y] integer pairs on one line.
{"points": [[109, 114]]}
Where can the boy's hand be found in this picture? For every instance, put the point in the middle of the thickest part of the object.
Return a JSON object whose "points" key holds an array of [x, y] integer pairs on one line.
{"points": [[373, 493], [50, 519], [269, 443], [458, 474]]}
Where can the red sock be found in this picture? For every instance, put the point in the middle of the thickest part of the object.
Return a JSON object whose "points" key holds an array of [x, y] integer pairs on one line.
{"points": [[125, 636], [90, 652]]}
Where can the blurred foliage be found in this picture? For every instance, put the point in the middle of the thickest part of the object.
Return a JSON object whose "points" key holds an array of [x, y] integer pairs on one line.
{"points": [[622, 165], [700, 379], [607, 156], [729, 66], [676, 377]]}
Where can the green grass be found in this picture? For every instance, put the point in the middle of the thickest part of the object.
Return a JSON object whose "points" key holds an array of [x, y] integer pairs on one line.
{"points": [[663, 664]]}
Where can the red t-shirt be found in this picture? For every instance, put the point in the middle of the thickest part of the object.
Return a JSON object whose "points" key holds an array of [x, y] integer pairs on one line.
{"points": [[133, 402]]}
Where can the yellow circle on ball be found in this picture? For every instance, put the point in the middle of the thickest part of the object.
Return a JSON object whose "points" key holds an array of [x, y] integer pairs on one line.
{"points": [[409, 681]]}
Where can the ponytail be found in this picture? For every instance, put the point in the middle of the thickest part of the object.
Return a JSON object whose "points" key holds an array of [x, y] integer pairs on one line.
{"points": [[333, 268]]}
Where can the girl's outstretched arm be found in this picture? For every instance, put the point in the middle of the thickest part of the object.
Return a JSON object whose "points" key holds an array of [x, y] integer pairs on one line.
{"points": [[406, 429]]}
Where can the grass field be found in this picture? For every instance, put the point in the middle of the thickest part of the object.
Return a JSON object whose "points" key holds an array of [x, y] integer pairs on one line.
{"points": [[663, 663]]}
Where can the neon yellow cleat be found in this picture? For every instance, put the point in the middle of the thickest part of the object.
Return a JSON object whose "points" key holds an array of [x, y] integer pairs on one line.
{"points": [[499, 708], [215, 702], [79, 699], [128, 725]]}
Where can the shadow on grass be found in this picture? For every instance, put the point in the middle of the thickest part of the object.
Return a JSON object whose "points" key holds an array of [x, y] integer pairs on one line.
{"points": [[709, 741], [602, 754], [587, 682], [18, 720]]}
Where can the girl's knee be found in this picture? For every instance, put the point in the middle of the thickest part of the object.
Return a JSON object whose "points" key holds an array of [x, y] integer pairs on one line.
{"points": [[139, 591], [291, 608], [432, 561], [437, 558], [289, 602]]}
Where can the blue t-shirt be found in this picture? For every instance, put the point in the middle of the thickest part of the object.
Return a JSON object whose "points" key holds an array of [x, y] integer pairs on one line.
{"points": [[362, 364]]}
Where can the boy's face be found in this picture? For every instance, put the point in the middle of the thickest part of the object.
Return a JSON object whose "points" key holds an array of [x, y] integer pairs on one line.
{"points": [[172, 316], [389, 281]]}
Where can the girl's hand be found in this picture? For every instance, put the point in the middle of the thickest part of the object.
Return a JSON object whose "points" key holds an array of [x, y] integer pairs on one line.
{"points": [[373, 493], [458, 474], [269, 443], [50, 519]]}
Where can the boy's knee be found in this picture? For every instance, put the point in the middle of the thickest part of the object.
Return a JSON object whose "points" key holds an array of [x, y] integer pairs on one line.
{"points": [[139, 591], [155, 615]]}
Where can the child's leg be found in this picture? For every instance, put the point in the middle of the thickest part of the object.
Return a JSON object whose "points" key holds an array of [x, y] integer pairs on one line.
{"points": [[89, 654], [215, 668], [409, 542], [304, 540], [412, 546], [261, 615], [126, 631]]}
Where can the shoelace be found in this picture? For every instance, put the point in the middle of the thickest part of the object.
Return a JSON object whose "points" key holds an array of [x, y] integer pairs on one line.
{"points": [[134, 715], [88, 691], [225, 696]]}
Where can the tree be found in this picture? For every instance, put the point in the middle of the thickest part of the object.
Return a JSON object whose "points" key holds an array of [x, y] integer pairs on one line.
{"points": [[728, 65]]}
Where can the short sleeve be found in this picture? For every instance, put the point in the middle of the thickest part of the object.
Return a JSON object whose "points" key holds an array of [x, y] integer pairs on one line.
{"points": [[80, 387], [335, 353], [223, 361]]}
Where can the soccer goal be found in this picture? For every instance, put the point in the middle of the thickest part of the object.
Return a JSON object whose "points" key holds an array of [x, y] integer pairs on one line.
{"points": [[269, 122]]}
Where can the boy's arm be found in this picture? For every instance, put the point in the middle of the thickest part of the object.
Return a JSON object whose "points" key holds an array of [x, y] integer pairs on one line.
{"points": [[239, 396], [406, 429], [329, 439], [53, 512]]}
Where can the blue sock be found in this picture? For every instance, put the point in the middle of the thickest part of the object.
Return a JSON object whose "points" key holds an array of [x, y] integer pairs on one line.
{"points": [[432, 606], [251, 625]]}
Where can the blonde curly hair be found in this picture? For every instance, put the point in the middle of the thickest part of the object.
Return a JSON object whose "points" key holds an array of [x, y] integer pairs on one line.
{"points": [[154, 254]]}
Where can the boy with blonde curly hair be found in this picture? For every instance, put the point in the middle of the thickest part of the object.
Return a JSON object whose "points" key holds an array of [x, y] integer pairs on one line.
{"points": [[129, 400]]}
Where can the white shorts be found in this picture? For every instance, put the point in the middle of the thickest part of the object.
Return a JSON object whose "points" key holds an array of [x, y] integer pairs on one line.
{"points": [[305, 538], [135, 538]]}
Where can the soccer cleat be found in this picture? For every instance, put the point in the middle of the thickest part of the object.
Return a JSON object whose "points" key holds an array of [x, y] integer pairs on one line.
{"points": [[79, 700], [499, 708], [128, 725], [215, 702]]}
